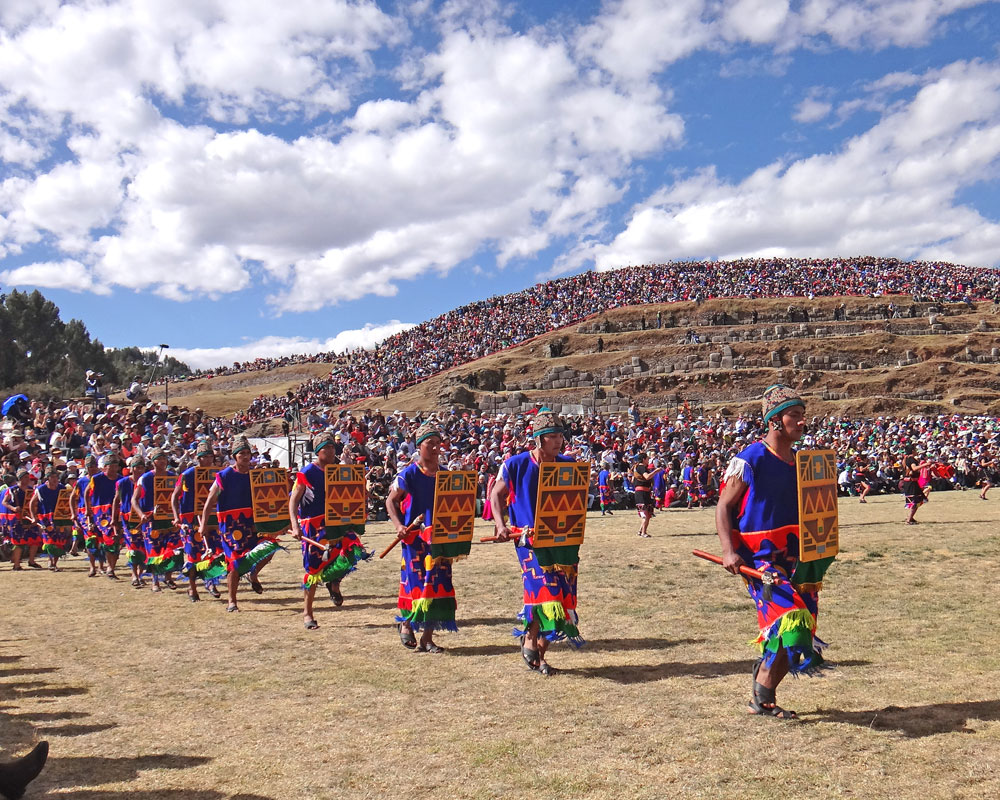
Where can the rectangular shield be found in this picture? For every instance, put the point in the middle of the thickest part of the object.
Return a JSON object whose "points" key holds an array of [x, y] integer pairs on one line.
{"points": [[454, 513], [561, 508], [269, 491], [204, 477], [819, 533], [62, 515], [345, 495], [163, 487]]}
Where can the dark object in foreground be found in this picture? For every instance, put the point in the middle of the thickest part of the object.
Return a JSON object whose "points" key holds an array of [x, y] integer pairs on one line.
{"points": [[16, 775]]}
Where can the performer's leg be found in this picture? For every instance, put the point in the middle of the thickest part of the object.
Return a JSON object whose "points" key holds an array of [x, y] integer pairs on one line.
{"points": [[307, 613], [232, 581], [32, 552], [92, 557], [15, 556], [112, 562]]}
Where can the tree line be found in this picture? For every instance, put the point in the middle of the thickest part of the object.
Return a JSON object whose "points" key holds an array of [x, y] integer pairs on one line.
{"points": [[44, 357]]}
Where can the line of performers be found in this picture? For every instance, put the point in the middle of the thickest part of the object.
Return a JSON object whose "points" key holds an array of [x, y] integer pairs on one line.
{"points": [[757, 522]]}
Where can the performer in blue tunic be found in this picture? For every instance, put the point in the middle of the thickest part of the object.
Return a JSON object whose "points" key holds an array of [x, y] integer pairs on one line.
{"points": [[56, 534], [549, 612], [246, 553], [24, 536], [87, 538], [123, 518], [426, 593], [307, 509], [197, 547], [757, 520], [98, 499]]}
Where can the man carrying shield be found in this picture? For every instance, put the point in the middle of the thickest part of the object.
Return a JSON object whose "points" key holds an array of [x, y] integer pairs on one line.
{"points": [[327, 554], [549, 579], [757, 520]]}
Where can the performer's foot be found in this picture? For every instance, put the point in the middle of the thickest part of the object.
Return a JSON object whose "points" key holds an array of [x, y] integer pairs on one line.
{"points": [[429, 647], [14, 777], [255, 583], [335, 595], [170, 583], [193, 596], [213, 591], [232, 607], [310, 624], [92, 573], [547, 670], [34, 565], [111, 575], [406, 637]]}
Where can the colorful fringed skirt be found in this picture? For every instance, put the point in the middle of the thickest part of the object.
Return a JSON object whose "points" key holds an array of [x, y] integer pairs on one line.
{"points": [[135, 548], [786, 615], [549, 576], [426, 593], [56, 541], [163, 548], [106, 534], [321, 566], [200, 562], [23, 535]]}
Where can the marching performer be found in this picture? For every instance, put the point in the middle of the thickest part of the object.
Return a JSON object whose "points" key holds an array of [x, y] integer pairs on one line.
{"points": [[98, 499], [55, 540], [121, 517], [549, 612], [162, 542], [24, 536], [426, 593], [331, 554], [83, 534], [757, 520], [642, 481], [197, 548], [231, 495]]}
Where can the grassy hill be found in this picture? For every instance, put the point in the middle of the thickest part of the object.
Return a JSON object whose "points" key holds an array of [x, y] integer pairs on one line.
{"points": [[940, 360]]}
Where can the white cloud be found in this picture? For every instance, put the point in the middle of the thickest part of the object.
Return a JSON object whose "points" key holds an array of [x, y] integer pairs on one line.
{"points": [[890, 190], [812, 109], [71, 275], [277, 346]]}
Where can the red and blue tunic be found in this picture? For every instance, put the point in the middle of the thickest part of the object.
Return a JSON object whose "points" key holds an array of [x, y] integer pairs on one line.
{"points": [[766, 537], [101, 492], [162, 542], [21, 533], [549, 584], [426, 592], [235, 509], [345, 548], [131, 531], [55, 540]]}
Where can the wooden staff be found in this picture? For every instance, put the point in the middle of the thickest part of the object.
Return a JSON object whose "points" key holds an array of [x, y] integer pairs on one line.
{"points": [[750, 572], [412, 526], [513, 538]]}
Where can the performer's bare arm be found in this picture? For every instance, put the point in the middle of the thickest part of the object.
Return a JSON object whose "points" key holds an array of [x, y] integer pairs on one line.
{"points": [[210, 501], [33, 508], [392, 502], [175, 502], [498, 502], [88, 510], [116, 508], [725, 514], [293, 509]]}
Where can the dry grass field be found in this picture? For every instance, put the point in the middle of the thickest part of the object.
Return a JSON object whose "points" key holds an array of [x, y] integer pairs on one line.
{"points": [[149, 696]]}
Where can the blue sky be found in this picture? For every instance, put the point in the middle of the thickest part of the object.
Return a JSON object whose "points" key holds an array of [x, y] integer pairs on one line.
{"points": [[242, 177]]}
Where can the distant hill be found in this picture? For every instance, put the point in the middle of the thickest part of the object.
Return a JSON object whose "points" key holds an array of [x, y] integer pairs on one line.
{"points": [[945, 358]]}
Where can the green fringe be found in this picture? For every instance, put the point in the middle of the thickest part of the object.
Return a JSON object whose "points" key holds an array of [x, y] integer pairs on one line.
{"points": [[136, 558], [160, 565], [811, 571], [259, 553], [551, 618], [451, 549], [438, 609], [568, 555], [53, 550], [340, 566]]}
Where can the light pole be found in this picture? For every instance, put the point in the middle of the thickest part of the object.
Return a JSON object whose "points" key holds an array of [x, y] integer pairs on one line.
{"points": [[166, 378]]}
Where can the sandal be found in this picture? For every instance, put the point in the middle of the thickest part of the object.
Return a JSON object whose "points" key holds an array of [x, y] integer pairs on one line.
{"points": [[763, 701], [213, 591], [531, 657], [137, 583], [255, 583], [430, 647], [170, 583], [311, 624], [193, 597], [547, 670], [335, 595], [232, 608], [407, 638]]}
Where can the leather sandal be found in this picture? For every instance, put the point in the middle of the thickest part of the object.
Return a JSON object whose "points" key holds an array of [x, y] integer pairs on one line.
{"points": [[406, 637]]}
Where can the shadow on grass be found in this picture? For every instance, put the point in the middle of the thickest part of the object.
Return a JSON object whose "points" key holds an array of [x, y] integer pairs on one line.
{"points": [[10, 659], [271, 601], [592, 645], [917, 721], [50, 716], [93, 770], [72, 729], [15, 671], [647, 673]]}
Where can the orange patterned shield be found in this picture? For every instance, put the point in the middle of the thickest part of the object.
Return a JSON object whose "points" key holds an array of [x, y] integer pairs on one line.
{"points": [[269, 491], [561, 509], [819, 531], [163, 487], [454, 512], [345, 495]]}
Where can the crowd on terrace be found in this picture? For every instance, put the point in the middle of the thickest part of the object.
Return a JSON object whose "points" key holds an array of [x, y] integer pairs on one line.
{"points": [[488, 326]]}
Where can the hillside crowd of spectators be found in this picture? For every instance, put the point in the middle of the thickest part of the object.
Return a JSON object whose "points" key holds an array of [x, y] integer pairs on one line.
{"points": [[488, 326]]}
